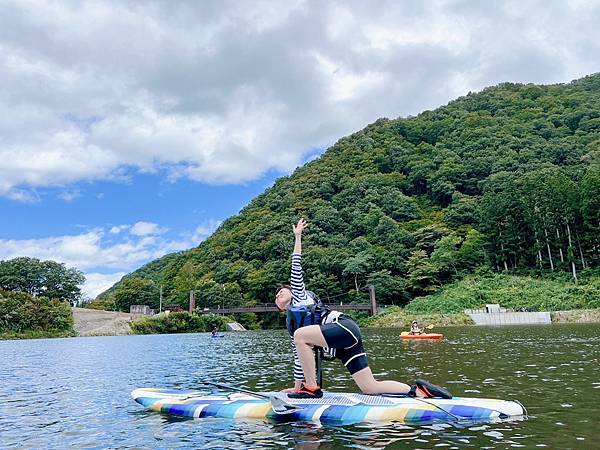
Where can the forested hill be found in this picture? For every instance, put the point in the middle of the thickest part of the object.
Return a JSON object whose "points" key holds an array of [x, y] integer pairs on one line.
{"points": [[507, 178]]}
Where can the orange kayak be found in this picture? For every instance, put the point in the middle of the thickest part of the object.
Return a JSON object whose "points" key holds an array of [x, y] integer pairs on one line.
{"points": [[407, 335]]}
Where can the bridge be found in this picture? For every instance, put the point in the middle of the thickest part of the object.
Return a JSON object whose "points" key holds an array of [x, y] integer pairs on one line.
{"points": [[270, 308]]}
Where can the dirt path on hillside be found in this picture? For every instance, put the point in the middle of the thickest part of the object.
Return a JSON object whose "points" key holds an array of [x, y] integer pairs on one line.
{"points": [[92, 322]]}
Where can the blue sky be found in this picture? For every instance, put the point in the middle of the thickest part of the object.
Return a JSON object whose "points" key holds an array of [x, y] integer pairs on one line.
{"points": [[178, 207], [118, 226], [129, 130]]}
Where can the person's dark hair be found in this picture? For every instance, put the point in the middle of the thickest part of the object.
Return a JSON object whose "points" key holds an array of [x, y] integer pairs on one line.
{"points": [[283, 286]]}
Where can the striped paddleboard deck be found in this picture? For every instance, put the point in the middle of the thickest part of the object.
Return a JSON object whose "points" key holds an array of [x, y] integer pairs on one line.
{"points": [[333, 407]]}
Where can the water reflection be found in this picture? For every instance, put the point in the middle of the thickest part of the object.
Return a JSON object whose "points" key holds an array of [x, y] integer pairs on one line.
{"points": [[60, 393]]}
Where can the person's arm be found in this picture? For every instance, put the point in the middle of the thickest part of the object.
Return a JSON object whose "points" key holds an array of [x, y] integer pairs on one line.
{"points": [[298, 229], [296, 278]]}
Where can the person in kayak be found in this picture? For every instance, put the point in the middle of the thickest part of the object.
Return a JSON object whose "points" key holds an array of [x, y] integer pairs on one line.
{"points": [[415, 329], [311, 325]]}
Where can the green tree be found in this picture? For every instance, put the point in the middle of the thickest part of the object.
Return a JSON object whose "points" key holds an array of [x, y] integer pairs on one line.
{"points": [[61, 282], [22, 275], [357, 265], [389, 289], [590, 209], [23, 314], [472, 251], [136, 291], [421, 273], [444, 257], [47, 278]]}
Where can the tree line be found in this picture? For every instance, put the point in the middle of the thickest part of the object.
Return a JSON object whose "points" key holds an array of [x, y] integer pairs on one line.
{"points": [[35, 298]]}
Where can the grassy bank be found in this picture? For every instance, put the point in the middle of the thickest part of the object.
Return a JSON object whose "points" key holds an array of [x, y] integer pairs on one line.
{"points": [[36, 334], [576, 316], [396, 317], [568, 302], [512, 292]]}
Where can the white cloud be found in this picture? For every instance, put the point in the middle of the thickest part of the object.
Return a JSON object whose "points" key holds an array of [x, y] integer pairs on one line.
{"points": [[221, 92], [96, 283], [146, 228], [118, 228], [103, 260], [69, 195], [345, 84], [204, 230]]}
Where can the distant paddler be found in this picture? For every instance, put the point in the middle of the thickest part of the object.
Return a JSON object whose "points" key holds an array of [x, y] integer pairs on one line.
{"points": [[417, 332], [415, 328]]}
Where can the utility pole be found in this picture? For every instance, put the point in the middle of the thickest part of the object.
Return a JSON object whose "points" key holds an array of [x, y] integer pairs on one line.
{"points": [[160, 300], [192, 301]]}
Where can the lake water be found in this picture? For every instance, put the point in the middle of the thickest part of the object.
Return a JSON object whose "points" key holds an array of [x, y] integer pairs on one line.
{"points": [[74, 393]]}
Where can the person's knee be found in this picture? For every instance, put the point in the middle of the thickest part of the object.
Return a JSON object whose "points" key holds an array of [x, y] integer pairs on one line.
{"points": [[300, 337]]}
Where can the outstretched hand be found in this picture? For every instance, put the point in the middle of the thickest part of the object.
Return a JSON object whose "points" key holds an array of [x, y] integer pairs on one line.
{"points": [[300, 226]]}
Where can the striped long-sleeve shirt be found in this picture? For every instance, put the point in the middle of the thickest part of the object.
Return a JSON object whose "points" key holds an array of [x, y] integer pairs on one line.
{"points": [[301, 298]]}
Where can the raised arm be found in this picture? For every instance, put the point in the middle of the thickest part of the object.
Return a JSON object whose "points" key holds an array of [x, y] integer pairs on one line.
{"points": [[296, 278], [298, 229]]}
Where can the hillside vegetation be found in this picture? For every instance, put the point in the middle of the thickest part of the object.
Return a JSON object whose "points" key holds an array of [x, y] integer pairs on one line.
{"points": [[506, 180], [25, 316]]}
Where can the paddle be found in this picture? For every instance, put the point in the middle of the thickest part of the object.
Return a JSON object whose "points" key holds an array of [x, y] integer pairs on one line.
{"points": [[428, 327], [279, 405]]}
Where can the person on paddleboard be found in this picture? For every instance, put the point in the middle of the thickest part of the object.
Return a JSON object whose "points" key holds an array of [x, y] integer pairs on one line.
{"points": [[311, 325]]}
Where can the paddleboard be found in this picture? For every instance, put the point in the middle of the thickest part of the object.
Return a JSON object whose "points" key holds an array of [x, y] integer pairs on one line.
{"points": [[338, 408], [407, 335]]}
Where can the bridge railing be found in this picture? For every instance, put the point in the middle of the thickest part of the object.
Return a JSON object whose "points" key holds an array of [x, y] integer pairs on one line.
{"points": [[270, 307]]}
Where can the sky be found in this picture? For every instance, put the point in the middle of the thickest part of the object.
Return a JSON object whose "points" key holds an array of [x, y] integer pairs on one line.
{"points": [[130, 130]]}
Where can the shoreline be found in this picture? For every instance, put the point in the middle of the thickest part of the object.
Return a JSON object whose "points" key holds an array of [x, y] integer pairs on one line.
{"points": [[403, 319], [92, 322]]}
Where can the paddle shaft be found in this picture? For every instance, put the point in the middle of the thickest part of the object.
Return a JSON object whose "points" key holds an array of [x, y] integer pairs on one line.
{"points": [[279, 405], [319, 366], [428, 327], [235, 388]]}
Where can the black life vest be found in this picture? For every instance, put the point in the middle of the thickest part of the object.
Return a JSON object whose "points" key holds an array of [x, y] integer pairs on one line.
{"points": [[303, 315]]}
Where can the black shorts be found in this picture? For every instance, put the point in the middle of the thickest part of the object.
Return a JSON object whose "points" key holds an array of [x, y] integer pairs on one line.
{"points": [[344, 336]]}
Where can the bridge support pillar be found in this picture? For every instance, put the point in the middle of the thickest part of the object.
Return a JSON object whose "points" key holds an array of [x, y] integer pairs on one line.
{"points": [[373, 301]]}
